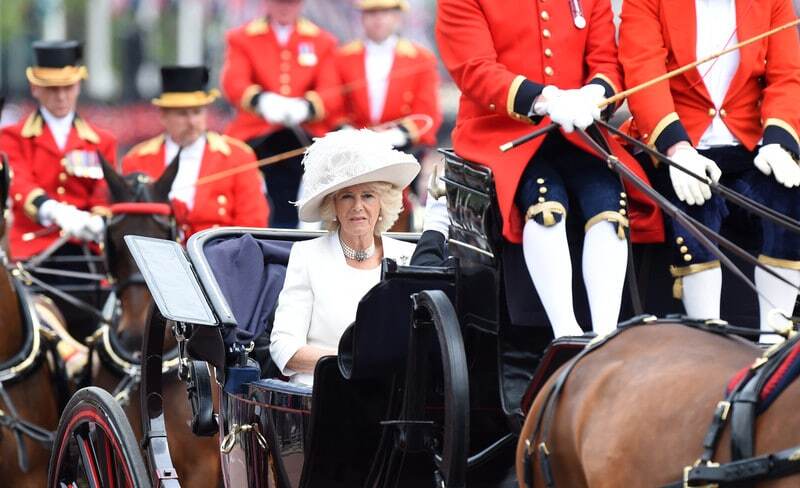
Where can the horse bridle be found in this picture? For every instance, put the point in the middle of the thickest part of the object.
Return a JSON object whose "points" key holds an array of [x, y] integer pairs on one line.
{"points": [[162, 215]]}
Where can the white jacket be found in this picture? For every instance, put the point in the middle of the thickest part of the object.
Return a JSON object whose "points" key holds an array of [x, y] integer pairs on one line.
{"points": [[320, 297]]}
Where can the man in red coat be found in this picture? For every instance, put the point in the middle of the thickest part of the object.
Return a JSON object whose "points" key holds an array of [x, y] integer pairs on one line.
{"points": [[57, 184], [235, 200], [734, 119], [57, 178], [386, 78], [533, 62], [279, 74]]}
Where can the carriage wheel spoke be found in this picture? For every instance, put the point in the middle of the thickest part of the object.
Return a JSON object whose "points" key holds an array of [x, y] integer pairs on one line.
{"points": [[88, 458]]}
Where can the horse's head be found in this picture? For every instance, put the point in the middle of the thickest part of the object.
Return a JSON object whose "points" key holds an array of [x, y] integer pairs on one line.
{"points": [[139, 206]]}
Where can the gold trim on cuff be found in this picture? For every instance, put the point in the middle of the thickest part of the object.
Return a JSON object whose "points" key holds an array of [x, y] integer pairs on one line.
{"points": [[605, 78], [609, 216], [678, 272], [28, 207], [512, 95], [317, 103], [661, 125], [783, 125], [547, 209], [247, 98], [779, 263]]}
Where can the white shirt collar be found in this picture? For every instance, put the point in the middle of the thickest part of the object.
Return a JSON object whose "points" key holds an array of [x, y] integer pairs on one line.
{"points": [[59, 126], [282, 32], [388, 44]]}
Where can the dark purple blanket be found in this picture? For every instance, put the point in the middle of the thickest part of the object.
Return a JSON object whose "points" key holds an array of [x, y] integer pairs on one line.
{"points": [[250, 273]]}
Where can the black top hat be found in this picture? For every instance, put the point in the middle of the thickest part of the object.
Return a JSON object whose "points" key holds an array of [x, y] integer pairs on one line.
{"points": [[57, 63], [184, 86]]}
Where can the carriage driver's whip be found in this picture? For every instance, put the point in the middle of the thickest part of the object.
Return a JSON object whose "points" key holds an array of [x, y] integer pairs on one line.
{"points": [[647, 84]]}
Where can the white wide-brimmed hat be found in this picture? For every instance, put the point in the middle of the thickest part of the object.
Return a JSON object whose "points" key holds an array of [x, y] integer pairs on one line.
{"points": [[349, 157]]}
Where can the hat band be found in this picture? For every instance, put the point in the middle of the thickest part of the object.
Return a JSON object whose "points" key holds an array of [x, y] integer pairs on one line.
{"points": [[382, 4], [67, 75], [186, 99]]}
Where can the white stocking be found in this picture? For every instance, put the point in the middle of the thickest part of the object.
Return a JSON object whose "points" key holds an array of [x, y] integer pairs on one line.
{"points": [[547, 256], [701, 294], [605, 260], [781, 295]]}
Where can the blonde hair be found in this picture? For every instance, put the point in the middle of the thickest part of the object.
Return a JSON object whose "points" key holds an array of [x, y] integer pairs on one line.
{"points": [[390, 198]]}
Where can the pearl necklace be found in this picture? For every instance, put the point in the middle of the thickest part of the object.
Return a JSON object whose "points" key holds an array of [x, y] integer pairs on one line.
{"points": [[359, 255]]}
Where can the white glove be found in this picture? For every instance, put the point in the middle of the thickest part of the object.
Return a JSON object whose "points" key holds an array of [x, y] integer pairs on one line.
{"points": [[571, 108], [395, 137], [273, 107], [775, 160], [687, 188], [436, 216], [75, 223], [297, 111]]}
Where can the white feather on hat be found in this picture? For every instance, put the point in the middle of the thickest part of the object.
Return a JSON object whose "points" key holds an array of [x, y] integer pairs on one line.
{"points": [[349, 157]]}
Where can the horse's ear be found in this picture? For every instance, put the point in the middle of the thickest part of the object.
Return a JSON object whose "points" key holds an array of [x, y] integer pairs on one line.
{"points": [[116, 183], [163, 185]]}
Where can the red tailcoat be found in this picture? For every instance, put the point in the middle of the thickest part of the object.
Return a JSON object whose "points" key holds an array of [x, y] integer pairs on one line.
{"points": [[39, 173], [413, 89], [256, 62], [657, 36], [237, 200], [501, 55]]}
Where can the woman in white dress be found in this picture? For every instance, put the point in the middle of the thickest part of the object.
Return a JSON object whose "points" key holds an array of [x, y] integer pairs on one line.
{"points": [[353, 183]]}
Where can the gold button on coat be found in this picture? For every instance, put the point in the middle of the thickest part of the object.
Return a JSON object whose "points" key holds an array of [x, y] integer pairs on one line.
{"points": [[546, 33], [687, 257], [221, 211], [722, 112], [60, 190], [548, 71], [285, 90], [545, 16], [679, 240], [548, 52], [222, 199], [712, 112], [492, 106], [62, 177]]}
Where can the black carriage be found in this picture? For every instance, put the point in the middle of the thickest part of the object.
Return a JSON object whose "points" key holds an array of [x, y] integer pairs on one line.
{"points": [[426, 390]]}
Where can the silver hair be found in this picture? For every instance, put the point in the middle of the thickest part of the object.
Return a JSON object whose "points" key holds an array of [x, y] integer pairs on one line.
{"points": [[390, 198]]}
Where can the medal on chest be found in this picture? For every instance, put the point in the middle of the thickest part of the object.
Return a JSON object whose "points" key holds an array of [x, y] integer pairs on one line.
{"points": [[83, 164]]}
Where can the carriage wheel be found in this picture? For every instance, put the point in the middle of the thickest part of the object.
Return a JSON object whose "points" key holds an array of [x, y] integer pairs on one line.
{"points": [[95, 446], [434, 316]]}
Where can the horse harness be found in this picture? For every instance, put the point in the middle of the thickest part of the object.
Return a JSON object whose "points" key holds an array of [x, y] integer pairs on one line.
{"points": [[40, 344], [741, 402], [739, 409]]}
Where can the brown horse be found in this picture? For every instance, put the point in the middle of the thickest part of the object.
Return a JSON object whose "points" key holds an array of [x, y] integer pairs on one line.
{"points": [[33, 395], [634, 411], [196, 458]]}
